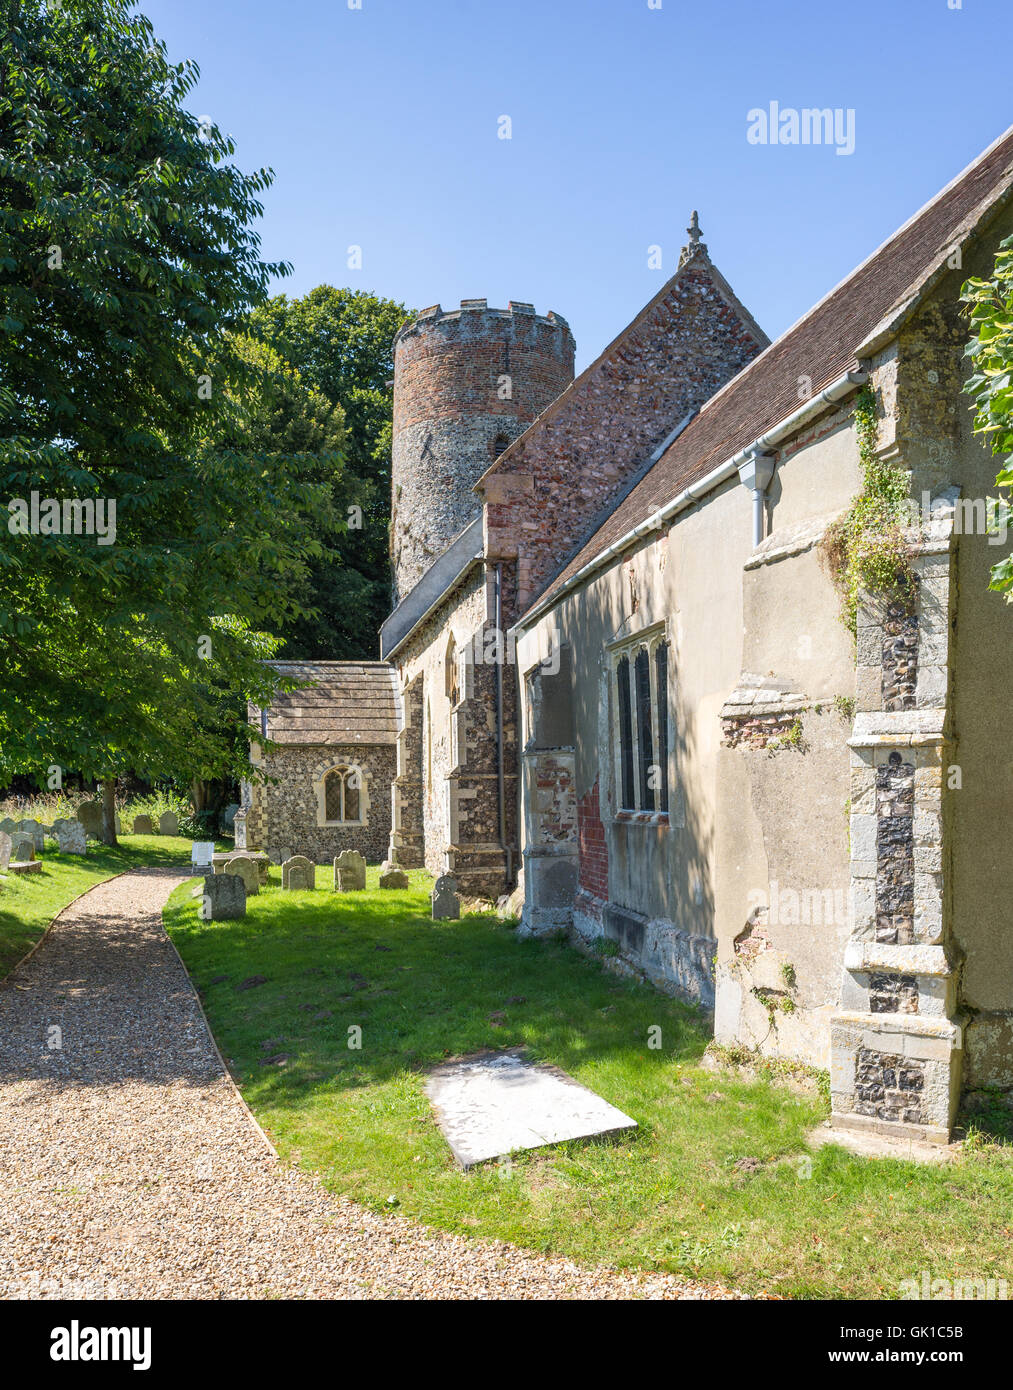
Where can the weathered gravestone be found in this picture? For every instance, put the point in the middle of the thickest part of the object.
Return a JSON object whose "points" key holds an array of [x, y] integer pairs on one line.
{"points": [[391, 876], [245, 869], [298, 874], [33, 828], [229, 814], [239, 829], [71, 838], [22, 847], [89, 813], [8, 826], [224, 898], [143, 826], [6, 847], [278, 856], [446, 903], [168, 823], [349, 871]]}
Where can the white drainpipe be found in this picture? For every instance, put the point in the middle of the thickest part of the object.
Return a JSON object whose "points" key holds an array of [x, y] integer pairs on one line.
{"points": [[755, 473]]}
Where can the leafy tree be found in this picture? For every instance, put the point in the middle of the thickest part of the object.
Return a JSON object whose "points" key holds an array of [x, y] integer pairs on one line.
{"points": [[128, 267], [991, 384], [341, 342]]}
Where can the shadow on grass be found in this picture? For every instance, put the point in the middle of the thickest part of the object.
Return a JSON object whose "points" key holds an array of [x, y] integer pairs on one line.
{"points": [[420, 991]]}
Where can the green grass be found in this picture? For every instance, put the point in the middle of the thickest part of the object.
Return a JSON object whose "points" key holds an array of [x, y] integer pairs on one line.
{"points": [[29, 903], [676, 1197]]}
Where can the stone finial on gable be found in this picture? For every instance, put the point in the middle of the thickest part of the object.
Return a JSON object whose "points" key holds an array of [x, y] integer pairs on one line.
{"points": [[694, 247]]}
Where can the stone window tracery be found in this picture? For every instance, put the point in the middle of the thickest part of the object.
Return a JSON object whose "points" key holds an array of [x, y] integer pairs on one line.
{"points": [[640, 723], [342, 796]]}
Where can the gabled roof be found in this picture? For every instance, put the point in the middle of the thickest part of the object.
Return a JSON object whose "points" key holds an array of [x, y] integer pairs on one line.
{"points": [[348, 702], [856, 318]]}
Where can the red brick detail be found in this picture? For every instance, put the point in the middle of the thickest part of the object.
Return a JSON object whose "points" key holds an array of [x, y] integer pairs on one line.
{"points": [[575, 460], [592, 864]]}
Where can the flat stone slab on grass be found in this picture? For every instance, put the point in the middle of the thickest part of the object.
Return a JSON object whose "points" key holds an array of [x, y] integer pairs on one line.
{"points": [[495, 1102]]}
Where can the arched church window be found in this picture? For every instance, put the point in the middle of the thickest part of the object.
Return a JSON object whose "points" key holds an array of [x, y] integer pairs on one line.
{"points": [[343, 796]]}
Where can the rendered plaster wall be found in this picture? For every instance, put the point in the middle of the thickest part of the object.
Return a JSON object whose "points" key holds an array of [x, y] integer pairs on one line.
{"points": [[741, 819]]}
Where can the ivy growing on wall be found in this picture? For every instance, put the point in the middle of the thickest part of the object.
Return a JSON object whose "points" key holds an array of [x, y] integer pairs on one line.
{"points": [[991, 383], [866, 549]]}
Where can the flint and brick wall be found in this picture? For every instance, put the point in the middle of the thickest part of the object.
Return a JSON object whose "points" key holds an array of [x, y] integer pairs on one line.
{"points": [[684, 346], [283, 815], [450, 408]]}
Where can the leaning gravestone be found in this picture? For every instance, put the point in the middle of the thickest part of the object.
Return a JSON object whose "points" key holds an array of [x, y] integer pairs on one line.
{"points": [[168, 823], [6, 848], [349, 871], [143, 826], [298, 874], [89, 813], [391, 876], [71, 838], [446, 903], [246, 869], [22, 847], [8, 826], [38, 834], [224, 898]]}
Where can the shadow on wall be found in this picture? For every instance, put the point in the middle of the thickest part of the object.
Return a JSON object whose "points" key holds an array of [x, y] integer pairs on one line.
{"points": [[642, 883]]}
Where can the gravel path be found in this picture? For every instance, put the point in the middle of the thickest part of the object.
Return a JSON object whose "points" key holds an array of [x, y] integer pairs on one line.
{"points": [[130, 1168]]}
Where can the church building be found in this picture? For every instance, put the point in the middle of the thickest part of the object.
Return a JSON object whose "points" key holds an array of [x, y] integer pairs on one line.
{"points": [[627, 690]]}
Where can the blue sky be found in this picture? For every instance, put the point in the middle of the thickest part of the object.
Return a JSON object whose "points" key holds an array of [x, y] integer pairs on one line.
{"points": [[381, 125]]}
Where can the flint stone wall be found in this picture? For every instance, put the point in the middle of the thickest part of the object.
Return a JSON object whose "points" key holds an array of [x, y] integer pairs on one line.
{"points": [[284, 811]]}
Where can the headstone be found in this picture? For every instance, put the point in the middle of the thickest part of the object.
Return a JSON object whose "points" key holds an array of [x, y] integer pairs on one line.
{"points": [[8, 826], [245, 869], [391, 876], [239, 829], [278, 856], [22, 847], [71, 838], [143, 826], [6, 847], [496, 1102], [89, 813], [200, 854], [224, 898], [168, 823], [349, 871], [229, 814], [298, 874], [33, 828], [446, 903]]}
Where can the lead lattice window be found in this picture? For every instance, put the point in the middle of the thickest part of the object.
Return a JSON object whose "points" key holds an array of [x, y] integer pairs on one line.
{"points": [[342, 799], [640, 724]]}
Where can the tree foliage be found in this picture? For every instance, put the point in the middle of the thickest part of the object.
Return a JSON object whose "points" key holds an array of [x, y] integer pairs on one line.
{"points": [[991, 384], [128, 268], [341, 343]]}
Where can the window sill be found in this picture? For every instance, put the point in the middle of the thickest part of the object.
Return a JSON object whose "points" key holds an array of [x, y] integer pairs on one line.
{"points": [[642, 817]]}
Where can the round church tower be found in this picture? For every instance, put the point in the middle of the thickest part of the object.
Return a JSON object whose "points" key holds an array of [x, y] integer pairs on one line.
{"points": [[467, 382]]}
